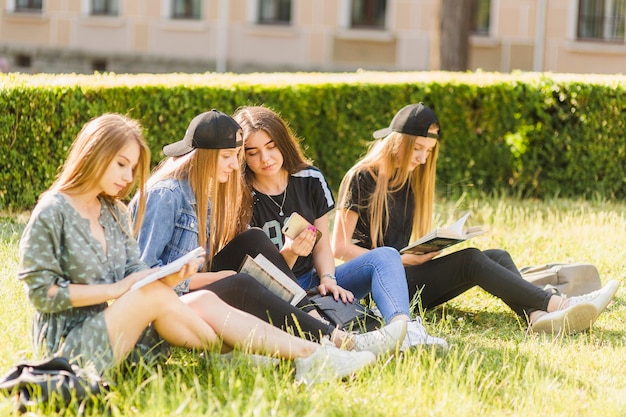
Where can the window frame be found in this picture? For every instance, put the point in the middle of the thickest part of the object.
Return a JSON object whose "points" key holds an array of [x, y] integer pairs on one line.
{"points": [[14, 6], [276, 19], [610, 29], [476, 29], [370, 21], [111, 9], [194, 15]]}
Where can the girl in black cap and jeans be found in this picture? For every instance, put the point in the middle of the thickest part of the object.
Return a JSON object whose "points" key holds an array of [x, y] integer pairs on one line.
{"points": [[193, 199], [387, 197]]}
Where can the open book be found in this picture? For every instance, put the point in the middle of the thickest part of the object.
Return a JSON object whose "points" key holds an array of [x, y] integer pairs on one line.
{"points": [[442, 237], [268, 274], [169, 268]]}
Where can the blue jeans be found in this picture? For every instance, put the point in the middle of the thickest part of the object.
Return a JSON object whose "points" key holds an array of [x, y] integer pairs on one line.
{"points": [[380, 272]]}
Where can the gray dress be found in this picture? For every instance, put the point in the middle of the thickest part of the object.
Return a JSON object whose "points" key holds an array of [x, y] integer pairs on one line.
{"points": [[57, 247]]}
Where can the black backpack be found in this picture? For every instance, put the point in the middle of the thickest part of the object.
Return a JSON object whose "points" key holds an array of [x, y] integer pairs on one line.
{"points": [[34, 383]]}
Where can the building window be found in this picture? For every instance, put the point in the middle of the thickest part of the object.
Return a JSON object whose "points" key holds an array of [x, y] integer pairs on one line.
{"points": [[28, 5], [601, 20], [368, 14], [274, 12], [482, 17], [104, 7], [186, 9]]}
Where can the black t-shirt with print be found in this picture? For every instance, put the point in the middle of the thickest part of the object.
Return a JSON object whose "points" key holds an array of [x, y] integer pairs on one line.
{"points": [[308, 194]]}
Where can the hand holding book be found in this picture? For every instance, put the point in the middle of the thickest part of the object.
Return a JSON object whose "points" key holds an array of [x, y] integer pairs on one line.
{"points": [[169, 269], [441, 238]]}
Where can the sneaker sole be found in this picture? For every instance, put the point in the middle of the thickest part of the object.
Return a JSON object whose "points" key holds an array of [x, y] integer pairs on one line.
{"points": [[322, 369], [577, 319]]}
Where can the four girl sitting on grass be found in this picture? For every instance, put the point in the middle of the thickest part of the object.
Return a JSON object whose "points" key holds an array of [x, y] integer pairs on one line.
{"points": [[79, 257]]}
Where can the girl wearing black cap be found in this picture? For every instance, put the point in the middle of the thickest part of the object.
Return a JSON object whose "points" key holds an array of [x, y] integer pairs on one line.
{"points": [[388, 196], [193, 199], [77, 254]]}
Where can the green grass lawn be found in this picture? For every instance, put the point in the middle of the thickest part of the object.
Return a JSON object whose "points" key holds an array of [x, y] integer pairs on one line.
{"points": [[494, 368]]}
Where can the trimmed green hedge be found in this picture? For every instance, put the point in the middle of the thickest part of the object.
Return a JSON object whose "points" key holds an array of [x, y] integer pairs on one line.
{"points": [[523, 134]]}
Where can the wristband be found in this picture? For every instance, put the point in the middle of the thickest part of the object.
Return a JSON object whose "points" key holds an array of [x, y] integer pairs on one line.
{"points": [[331, 276]]}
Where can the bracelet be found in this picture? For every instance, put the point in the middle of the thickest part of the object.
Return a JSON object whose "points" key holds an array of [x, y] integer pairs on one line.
{"points": [[331, 276]]}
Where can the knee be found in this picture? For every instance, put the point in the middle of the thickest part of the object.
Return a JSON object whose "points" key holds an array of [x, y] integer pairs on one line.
{"points": [[499, 255], [385, 254], [155, 293], [241, 281], [471, 255]]}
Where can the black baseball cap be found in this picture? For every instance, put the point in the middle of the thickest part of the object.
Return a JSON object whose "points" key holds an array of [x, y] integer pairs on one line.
{"points": [[414, 119], [209, 130]]}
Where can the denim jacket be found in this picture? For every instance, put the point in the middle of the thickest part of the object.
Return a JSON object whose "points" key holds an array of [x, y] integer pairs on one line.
{"points": [[170, 226]]}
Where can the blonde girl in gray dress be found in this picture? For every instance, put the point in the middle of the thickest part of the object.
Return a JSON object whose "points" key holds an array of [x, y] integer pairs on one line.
{"points": [[78, 259]]}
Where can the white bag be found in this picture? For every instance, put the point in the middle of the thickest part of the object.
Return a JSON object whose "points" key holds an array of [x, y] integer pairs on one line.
{"points": [[569, 279]]}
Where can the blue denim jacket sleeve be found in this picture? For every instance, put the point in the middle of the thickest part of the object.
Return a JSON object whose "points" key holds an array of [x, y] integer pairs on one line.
{"points": [[169, 228]]}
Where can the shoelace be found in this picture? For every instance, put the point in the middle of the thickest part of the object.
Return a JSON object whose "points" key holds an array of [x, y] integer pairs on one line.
{"points": [[584, 298]]}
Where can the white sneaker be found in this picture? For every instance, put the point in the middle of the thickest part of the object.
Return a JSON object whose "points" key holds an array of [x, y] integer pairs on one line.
{"points": [[329, 362], [575, 318], [599, 298], [416, 335], [581, 312], [381, 341]]}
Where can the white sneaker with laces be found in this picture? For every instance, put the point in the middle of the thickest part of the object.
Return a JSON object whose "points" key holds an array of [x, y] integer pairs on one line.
{"points": [[329, 362], [416, 335], [599, 298], [581, 312], [381, 341], [572, 319]]}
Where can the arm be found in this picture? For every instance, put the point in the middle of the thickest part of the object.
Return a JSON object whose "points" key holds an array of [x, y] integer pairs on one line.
{"points": [[201, 279], [344, 249], [52, 267], [300, 246], [163, 206], [324, 262], [345, 223], [158, 225]]}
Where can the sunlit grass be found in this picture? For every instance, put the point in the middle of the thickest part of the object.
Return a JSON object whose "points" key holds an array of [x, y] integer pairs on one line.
{"points": [[493, 368]]}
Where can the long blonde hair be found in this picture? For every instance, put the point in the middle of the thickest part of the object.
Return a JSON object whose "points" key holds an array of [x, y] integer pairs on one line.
{"points": [[391, 174], [199, 167], [91, 153]]}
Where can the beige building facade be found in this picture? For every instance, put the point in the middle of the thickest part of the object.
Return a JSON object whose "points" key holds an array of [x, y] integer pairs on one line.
{"points": [[134, 36]]}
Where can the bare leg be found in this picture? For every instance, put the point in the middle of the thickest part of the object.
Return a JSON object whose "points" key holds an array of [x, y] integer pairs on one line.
{"points": [[156, 303], [245, 331]]}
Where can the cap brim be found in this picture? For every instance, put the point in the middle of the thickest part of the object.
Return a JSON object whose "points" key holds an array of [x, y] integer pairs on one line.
{"points": [[177, 149], [381, 133]]}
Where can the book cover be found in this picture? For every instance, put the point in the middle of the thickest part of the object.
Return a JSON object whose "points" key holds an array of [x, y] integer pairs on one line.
{"points": [[268, 274], [444, 237]]}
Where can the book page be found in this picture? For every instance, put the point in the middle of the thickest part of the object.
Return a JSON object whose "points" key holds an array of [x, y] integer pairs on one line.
{"points": [[268, 274], [441, 238], [168, 269], [457, 226]]}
